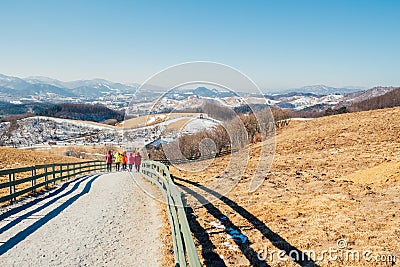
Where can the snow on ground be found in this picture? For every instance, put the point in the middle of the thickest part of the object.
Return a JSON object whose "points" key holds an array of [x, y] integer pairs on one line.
{"points": [[236, 101], [39, 131], [301, 102], [98, 220], [197, 124]]}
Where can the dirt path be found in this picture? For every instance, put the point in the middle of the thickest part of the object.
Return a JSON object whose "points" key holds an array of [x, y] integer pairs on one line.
{"points": [[100, 220]]}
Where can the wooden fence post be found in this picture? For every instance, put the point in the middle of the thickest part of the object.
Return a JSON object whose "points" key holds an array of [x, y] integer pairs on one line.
{"points": [[46, 178], [34, 179], [68, 172], [11, 187], [14, 188], [53, 167]]}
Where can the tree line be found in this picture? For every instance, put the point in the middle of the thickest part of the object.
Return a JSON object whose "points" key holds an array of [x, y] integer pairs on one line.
{"points": [[84, 112]]}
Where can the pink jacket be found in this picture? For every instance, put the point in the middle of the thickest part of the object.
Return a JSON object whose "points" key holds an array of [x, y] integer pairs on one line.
{"points": [[131, 158], [108, 158]]}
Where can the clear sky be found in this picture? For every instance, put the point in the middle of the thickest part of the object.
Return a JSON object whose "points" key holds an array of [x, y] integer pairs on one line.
{"points": [[279, 44]]}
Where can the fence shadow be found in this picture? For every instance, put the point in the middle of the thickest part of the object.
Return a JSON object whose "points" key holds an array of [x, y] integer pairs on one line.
{"points": [[278, 241], [38, 198], [32, 212], [230, 228], [17, 238], [211, 258]]}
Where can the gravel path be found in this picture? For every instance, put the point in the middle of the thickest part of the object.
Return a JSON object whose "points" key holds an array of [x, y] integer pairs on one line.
{"points": [[99, 220]]}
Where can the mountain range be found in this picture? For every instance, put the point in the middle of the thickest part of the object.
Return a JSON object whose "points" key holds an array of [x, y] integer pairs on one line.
{"points": [[319, 89], [117, 96], [39, 85]]}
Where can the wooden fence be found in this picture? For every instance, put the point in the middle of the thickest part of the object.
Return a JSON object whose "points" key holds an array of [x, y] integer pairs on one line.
{"points": [[204, 157], [22, 181], [185, 253], [41, 176]]}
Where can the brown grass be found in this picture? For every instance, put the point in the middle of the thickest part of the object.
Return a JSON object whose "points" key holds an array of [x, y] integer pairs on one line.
{"points": [[18, 158], [332, 177], [176, 125], [83, 152], [143, 121], [167, 250]]}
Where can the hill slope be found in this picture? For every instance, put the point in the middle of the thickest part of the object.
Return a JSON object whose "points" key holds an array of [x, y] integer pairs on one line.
{"points": [[387, 100], [332, 177], [16, 158]]}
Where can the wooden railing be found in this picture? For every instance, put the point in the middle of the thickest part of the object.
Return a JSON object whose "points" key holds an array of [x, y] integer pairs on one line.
{"points": [[204, 157], [39, 176], [184, 249]]}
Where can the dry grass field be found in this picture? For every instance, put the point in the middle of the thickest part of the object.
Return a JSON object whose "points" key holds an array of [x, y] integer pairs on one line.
{"points": [[86, 152], [18, 158], [335, 177], [152, 119]]}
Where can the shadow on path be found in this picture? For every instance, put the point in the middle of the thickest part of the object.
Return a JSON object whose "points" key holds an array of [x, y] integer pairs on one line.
{"points": [[10, 243], [38, 199], [30, 213], [278, 241]]}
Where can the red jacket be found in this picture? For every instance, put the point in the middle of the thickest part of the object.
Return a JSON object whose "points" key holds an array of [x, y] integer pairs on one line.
{"points": [[138, 159]]}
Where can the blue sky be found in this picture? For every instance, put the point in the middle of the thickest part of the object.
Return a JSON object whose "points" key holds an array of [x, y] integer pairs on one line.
{"points": [[279, 44]]}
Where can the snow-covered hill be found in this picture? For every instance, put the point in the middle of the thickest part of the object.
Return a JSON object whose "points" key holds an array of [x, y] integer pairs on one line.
{"points": [[319, 89], [42, 130]]}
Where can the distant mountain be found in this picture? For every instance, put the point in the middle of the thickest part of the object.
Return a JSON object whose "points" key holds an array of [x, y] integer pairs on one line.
{"points": [[321, 90], [311, 105], [45, 80], [118, 95], [39, 85], [78, 83], [205, 92], [12, 83], [18, 87], [291, 94], [366, 94], [98, 83], [201, 92], [389, 99]]}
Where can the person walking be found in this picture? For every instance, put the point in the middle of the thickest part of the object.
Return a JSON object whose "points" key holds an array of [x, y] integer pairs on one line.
{"points": [[109, 160], [123, 161], [117, 161], [138, 161], [131, 161]]}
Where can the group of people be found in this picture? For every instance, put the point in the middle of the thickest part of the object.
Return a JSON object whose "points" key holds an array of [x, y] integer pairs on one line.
{"points": [[123, 161]]}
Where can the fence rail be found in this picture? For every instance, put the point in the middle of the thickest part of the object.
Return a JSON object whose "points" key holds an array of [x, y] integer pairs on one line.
{"points": [[45, 175], [185, 253], [204, 157]]}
